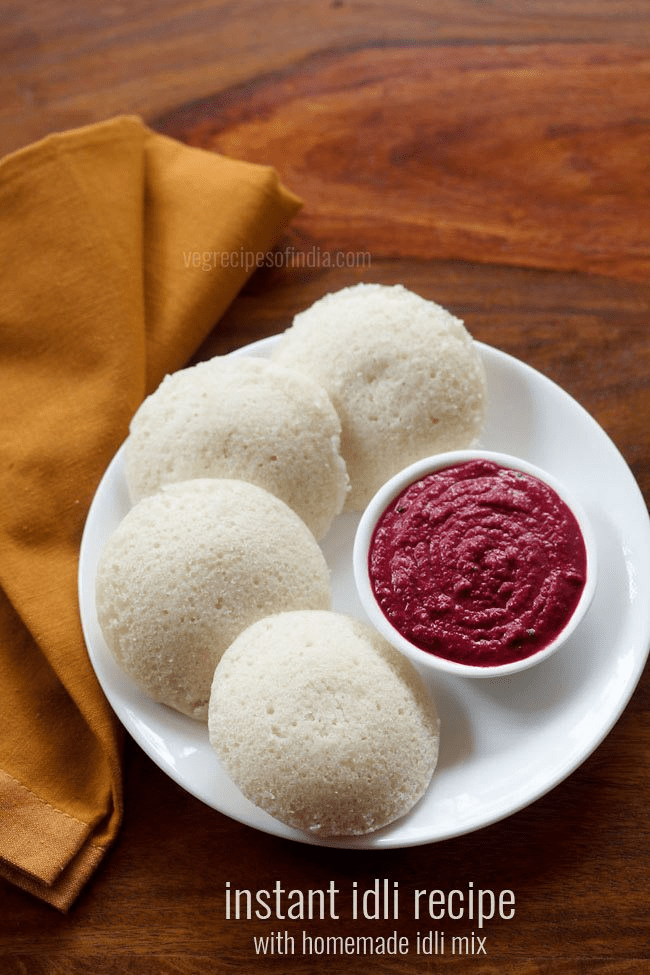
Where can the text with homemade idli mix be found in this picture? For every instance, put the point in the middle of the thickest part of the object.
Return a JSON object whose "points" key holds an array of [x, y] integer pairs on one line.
{"points": [[478, 563]]}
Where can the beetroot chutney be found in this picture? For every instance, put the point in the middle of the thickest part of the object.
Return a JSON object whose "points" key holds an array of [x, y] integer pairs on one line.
{"points": [[478, 563]]}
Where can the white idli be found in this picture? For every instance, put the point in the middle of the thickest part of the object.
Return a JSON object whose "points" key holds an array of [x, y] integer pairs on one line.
{"points": [[190, 567], [246, 418], [403, 373], [323, 724]]}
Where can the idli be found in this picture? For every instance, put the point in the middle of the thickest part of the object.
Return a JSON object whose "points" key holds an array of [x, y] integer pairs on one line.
{"points": [[188, 569], [404, 375], [247, 418], [323, 724]]}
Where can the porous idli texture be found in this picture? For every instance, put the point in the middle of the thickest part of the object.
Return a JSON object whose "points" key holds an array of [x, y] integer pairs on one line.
{"points": [[247, 418], [404, 375], [322, 723], [188, 569]]}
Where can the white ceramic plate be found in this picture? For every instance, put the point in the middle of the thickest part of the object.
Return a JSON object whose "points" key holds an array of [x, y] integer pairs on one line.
{"points": [[504, 741]]}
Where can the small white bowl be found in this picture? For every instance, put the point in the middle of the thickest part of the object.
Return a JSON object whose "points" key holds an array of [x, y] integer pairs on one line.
{"points": [[399, 483]]}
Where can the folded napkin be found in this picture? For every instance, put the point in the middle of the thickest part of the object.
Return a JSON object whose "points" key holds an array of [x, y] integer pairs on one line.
{"points": [[104, 288]]}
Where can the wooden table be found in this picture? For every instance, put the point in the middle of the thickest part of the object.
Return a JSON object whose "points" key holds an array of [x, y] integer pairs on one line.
{"points": [[493, 157]]}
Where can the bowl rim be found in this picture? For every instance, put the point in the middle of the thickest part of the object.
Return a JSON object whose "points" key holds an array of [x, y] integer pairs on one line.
{"points": [[409, 475]]}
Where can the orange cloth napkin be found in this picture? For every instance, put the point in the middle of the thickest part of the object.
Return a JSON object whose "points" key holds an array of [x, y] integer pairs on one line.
{"points": [[103, 289]]}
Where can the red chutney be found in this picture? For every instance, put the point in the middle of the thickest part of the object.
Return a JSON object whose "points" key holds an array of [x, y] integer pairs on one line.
{"points": [[478, 563]]}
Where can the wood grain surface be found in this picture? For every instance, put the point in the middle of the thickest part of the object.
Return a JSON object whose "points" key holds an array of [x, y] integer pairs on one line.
{"points": [[495, 157]]}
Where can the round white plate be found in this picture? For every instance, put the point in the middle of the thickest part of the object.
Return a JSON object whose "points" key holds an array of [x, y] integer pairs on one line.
{"points": [[504, 741]]}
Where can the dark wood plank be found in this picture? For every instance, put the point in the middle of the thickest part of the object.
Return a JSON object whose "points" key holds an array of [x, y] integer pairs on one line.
{"points": [[531, 155], [67, 62]]}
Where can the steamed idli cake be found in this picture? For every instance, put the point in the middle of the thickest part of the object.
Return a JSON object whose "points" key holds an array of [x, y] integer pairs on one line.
{"points": [[403, 374], [321, 723], [246, 418], [190, 567]]}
